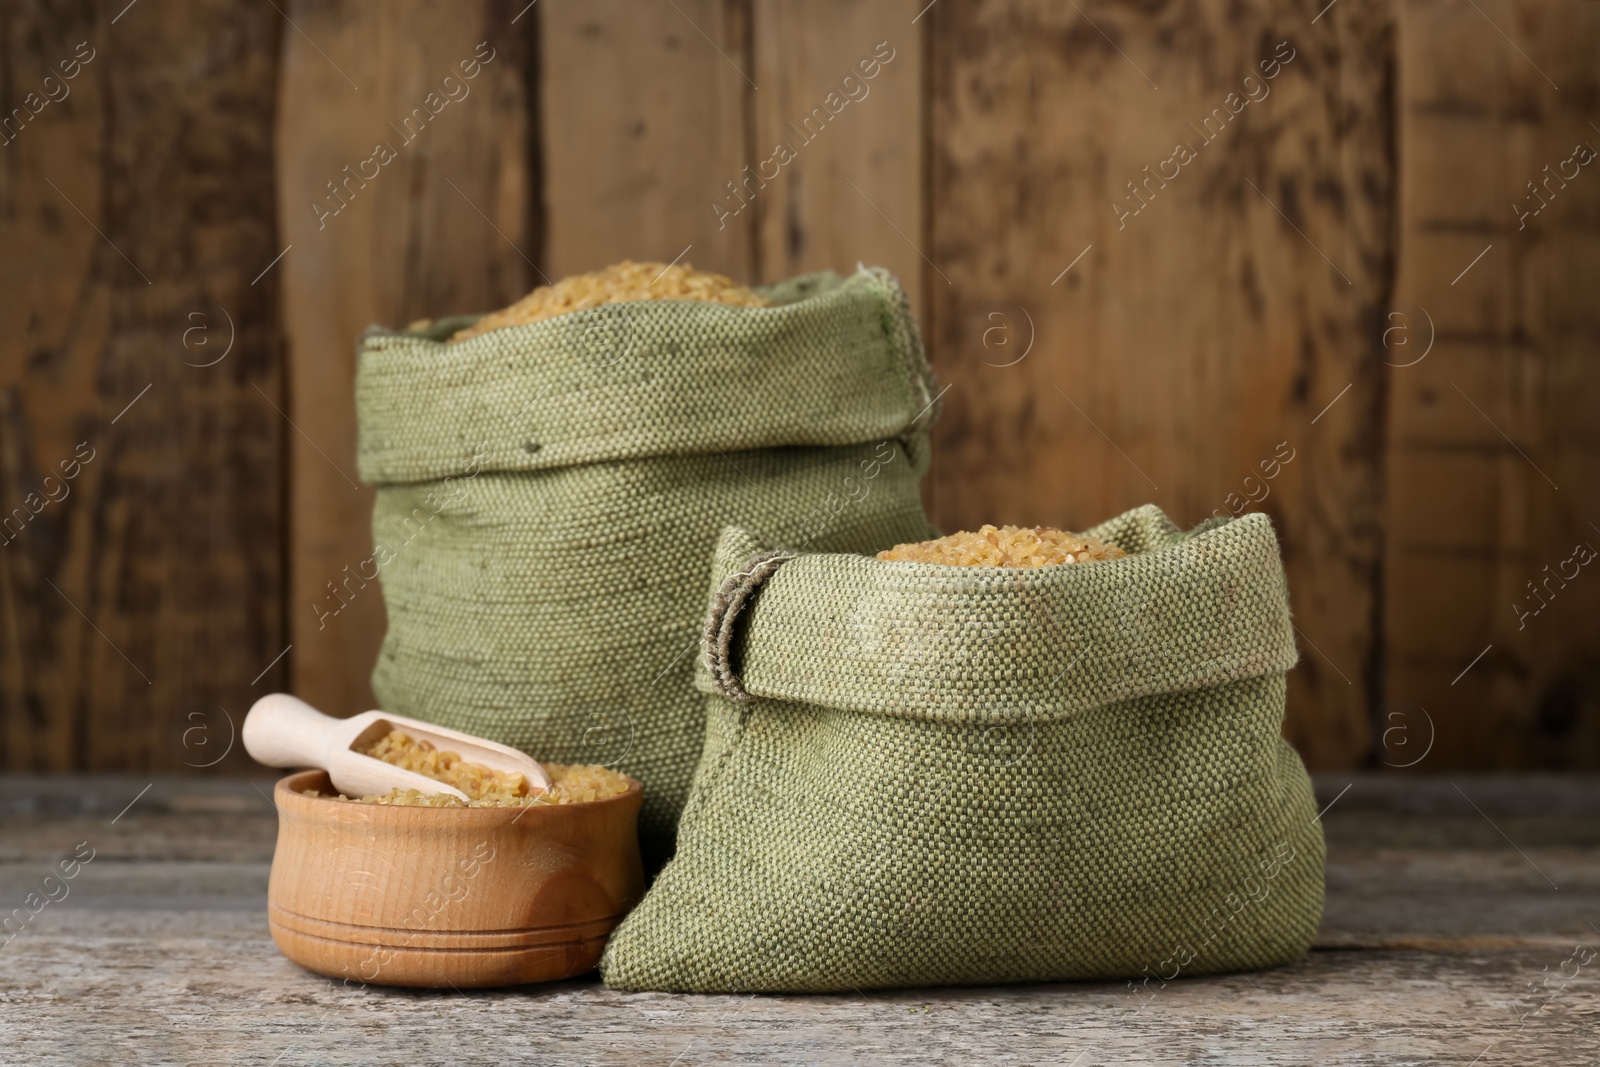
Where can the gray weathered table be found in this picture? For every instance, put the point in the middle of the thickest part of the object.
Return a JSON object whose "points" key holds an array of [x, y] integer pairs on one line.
{"points": [[1453, 910]]}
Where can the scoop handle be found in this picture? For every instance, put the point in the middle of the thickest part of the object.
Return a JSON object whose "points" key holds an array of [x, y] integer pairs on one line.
{"points": [[284, 731]]}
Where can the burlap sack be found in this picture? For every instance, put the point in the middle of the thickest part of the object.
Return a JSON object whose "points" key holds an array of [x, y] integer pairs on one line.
{"points": [[548, 496], [923, 775]]}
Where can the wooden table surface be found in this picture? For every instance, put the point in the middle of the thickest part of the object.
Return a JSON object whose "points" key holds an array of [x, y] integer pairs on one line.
{"points": [[1454, 908]]}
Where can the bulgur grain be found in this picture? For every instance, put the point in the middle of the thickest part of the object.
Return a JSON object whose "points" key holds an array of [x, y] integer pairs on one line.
{"points": [[486, 788], [615, 284], [1007, 546]]}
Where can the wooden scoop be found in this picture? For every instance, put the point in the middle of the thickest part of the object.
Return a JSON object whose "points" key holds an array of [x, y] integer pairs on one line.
{"points": [[282, 731]]}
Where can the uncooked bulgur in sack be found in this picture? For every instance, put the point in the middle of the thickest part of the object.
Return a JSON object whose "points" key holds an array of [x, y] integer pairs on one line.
{"points": [[930, 774], [549, 492], [620, 283]]}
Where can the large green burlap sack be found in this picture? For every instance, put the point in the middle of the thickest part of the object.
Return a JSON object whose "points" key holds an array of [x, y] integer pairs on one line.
{"points": [[548, 496], [921, 774]]}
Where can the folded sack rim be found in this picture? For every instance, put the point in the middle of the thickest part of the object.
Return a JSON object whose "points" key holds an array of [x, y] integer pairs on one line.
{"points": [[822, 650]]}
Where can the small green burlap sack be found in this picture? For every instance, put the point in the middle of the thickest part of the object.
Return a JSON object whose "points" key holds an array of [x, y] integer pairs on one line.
{"points": [[548, 496], [920, 774]]}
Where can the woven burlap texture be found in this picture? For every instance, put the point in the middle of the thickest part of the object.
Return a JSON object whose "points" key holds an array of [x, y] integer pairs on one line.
{"points": [[950, 775], [548, 496]]}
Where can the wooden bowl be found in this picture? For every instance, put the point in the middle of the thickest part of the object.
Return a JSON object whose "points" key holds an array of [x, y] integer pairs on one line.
{"points": [[449, 896]]}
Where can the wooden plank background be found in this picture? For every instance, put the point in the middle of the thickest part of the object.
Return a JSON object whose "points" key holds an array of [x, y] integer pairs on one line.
{"points": [[1492, 445], [143, 606], [447, 226], [1330, 311]]}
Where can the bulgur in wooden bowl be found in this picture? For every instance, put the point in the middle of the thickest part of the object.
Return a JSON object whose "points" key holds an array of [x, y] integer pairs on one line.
{"points": [[399, 894]]}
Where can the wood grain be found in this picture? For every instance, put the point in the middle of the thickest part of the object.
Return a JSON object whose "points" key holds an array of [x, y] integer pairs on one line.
{"points": [[1492, 466], [140, 605], [477, 897], [1185, 345], [444, 227], [852, 190], [1434, 929], [1268, 299], [644, 114]]}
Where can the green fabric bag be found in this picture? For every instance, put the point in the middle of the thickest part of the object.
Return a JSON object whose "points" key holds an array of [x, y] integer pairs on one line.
{"points": [[919, 774], [548, 495]]}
